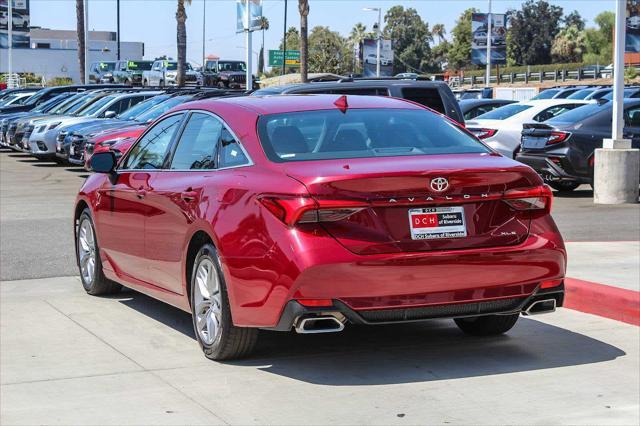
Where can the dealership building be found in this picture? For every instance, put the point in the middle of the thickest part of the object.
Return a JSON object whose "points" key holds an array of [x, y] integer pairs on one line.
{"points": [[53, 53]]}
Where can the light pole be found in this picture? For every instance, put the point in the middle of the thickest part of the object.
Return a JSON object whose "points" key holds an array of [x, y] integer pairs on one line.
{"points": [[284, 41], [488, 71], [118, 26], [617, 166], [249, 39], [378, 36], [204, 26], [10, 34]]}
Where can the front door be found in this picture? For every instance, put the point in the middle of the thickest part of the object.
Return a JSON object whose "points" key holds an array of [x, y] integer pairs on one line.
{"points": [[125, 212]]}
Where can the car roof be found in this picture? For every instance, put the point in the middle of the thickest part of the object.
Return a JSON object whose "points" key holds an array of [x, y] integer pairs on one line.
{"points": [[355, 83], [483, 101], [264, 105], [552, 102]]}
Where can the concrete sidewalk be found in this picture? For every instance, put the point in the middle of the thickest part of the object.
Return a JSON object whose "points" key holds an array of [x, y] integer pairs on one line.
{"points": [[603, 278], [69, 358]]}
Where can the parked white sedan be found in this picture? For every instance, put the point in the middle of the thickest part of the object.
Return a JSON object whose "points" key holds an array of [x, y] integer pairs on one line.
{"points": [[501, 128]]}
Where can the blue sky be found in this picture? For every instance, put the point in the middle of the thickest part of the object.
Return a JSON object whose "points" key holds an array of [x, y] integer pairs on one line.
{"points": [[153, 21]]}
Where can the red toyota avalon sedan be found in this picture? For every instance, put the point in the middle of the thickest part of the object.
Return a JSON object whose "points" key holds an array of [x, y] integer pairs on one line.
{"points": [[314, 212]]}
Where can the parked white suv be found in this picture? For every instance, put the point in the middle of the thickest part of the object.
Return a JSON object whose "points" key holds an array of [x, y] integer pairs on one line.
{"points": [[165, 73]]}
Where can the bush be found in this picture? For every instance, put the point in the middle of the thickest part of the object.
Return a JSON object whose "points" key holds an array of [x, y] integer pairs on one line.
{"points": [[60, 81]]}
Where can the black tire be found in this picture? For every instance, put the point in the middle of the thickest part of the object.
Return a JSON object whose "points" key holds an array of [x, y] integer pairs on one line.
{"points": [[221, 85], [489, 325], [564, 186], [98, 284], [233, 342]]}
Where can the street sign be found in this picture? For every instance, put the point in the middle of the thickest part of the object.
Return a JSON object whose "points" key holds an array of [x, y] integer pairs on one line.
{"points": [[275, 58]]}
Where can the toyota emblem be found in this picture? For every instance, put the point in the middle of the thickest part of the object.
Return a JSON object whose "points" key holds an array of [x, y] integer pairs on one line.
{"points": [[439, 184]]}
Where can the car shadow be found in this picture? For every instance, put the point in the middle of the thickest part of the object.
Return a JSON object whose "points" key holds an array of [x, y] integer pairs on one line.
{"points": [[404, 353]]}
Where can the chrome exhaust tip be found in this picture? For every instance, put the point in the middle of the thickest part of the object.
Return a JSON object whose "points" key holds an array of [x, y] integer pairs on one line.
{"points": [[319, 324], [544, 306]]}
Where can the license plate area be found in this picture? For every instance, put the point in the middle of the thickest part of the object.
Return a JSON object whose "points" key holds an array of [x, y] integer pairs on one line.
{"points": [[437, 222], [534, 142]]}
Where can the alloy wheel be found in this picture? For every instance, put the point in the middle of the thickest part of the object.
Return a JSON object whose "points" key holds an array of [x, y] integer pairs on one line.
{"points": [[87, 251], [207, 302]]}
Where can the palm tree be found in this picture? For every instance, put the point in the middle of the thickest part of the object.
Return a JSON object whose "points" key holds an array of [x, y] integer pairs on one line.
{"points": [[358, 33], [303, 8], [81, 41], [439, 31], [264, 25], [181, 33]]}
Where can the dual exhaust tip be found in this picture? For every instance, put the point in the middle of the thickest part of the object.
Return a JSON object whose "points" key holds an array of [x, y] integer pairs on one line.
{"points": [[334, 322], [331, 323]]}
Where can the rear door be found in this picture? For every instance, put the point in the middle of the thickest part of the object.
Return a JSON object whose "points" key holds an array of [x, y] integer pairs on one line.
{"points": [[177, 199]]}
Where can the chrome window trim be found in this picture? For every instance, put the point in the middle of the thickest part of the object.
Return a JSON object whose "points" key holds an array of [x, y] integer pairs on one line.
{"points": [[189, 112]]}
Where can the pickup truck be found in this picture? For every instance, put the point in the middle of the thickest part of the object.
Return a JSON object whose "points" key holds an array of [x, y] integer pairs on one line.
{"points": [[165, 73], [226, 74]]}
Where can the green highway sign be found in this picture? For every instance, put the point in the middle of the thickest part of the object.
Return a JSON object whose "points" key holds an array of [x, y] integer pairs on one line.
{"points": [[275, 58]]}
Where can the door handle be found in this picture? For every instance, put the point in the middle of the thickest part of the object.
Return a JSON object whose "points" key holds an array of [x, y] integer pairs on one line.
{"points": [[141, 193], [189, 195]]}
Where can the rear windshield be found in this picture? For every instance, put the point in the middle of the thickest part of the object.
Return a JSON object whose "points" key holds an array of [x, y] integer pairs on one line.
{"points": [[504, 112], [581, 94], [628, 93], [580, 113], [547, 94], [361, 133]]}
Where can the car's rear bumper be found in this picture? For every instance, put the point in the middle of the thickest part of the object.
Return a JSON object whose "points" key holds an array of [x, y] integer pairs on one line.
{"points": [[386, 282], [294, 311], [550, 171]]}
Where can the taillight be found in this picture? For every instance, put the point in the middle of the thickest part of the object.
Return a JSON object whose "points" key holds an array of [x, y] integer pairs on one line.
{"points": [[557, 137], [294, 210], [538, 198], [484, 133]]}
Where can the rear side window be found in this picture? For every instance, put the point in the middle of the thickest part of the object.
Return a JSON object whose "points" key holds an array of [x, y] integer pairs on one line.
{"points": [[361, 133], [504, 112], [554, 111], [428, 97], [581, 113]]}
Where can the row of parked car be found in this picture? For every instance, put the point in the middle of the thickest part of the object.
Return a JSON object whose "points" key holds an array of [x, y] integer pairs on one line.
{"points": [[223, 74], [556, 136]]}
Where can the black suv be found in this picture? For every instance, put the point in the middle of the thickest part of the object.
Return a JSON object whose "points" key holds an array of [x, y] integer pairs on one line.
{"points": [[433, 94], [561, 149]]}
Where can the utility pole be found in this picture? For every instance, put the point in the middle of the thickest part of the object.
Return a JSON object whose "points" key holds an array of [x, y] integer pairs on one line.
{"points": [[249, 37], [86, 42], [204, 26], [487, 77], [117, 26], [10, 34], [379, 36], [284, 40], [617, 166]]}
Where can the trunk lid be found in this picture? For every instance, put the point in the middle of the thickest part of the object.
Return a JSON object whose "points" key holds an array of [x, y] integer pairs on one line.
{"points": [[396, 189]]}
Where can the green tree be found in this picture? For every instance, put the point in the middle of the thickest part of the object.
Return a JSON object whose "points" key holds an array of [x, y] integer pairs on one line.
{"points": [[410, 36], [568, 46], [440, 54], [459, 52], [293, 43], [573, 19], [533, 29], [328, 51], [599, 41], [606, 22], [181, 36]]}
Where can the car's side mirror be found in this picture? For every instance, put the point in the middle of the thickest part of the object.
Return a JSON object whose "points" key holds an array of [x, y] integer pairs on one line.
{"points": [[103, 162], [110, 114]]}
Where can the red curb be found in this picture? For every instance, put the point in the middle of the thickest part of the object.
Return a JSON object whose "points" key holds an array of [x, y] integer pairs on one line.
{"points": [[606, 301]]}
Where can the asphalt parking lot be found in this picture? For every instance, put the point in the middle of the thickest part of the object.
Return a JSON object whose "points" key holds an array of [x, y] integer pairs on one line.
{"points": [[67, 358]]}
